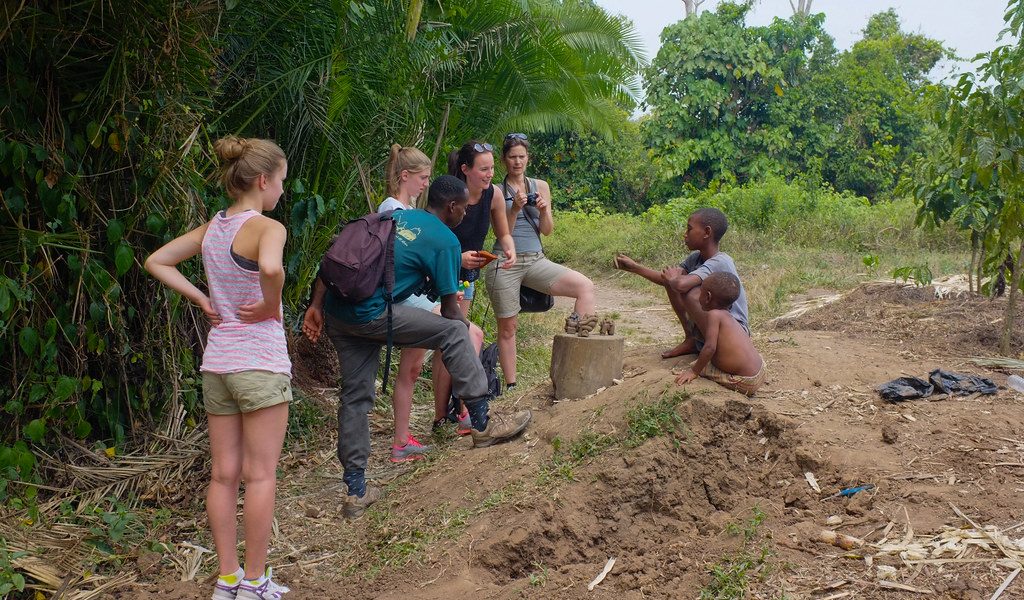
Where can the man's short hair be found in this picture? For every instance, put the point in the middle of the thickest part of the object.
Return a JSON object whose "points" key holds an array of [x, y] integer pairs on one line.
{"points": [[446, 189], [713, 218], [724, 288]]}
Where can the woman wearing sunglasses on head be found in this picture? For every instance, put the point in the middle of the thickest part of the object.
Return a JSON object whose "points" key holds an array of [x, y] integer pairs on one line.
{"points": [[528, 206], [474, 164]]}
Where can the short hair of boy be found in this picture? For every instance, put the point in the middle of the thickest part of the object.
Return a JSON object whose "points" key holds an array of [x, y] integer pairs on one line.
{"points": [[724, 288], [446, 189], [713, 218]]}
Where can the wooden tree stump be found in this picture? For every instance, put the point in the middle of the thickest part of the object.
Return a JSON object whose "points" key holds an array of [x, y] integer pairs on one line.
{"points": [[582, 365]]}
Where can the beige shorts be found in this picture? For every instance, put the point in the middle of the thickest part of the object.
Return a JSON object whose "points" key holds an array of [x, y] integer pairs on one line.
{"points": [[245, 391], [532, 269], [745, 385]]}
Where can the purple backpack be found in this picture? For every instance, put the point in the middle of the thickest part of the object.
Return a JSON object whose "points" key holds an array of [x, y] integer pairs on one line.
{"points": [[360, 260]]}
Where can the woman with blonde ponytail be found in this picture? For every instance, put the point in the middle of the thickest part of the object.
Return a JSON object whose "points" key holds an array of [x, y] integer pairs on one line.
{"points": [[246, 370], [408, 175]]}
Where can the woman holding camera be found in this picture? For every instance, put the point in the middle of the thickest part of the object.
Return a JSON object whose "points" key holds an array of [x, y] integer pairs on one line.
{"points": [[528, 211]]}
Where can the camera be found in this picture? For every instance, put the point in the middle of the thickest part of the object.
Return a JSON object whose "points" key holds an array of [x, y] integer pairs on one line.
{"points": [[531, 199]]}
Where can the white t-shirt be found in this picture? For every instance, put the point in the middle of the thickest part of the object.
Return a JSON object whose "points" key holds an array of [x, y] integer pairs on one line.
{"points": [[391, 203]]}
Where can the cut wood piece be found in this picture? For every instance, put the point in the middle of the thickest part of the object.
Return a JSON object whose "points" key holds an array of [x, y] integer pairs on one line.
{"points": [[580, 366]]}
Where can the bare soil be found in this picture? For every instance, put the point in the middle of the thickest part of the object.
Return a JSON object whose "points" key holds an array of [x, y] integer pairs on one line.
{"points": [[496, 523]]}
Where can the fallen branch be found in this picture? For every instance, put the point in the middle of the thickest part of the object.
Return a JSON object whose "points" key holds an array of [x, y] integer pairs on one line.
{"points": [[1006, 583]]}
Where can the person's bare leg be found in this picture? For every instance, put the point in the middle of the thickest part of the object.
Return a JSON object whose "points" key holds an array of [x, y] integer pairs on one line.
{"points": [[507, 347], [443, 379], [262, 437], [409, 367], [688, 310], [222, 495], [578, 286]]}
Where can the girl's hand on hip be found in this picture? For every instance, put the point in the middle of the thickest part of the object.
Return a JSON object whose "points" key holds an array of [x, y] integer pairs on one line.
{"points": [[211, 314], [259, 311]]}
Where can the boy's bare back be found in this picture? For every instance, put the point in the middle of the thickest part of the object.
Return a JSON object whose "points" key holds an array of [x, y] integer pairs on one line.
{"points": [[734, 350]]}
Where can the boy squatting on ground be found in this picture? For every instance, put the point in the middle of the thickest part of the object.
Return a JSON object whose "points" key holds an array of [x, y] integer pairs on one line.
{"points": [[704, 231], [728, 356], [425, 247]]}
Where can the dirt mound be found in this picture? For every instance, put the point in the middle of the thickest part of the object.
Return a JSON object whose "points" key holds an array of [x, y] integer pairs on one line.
{"points": [[314, 365], [960, 326], [661, 510]]}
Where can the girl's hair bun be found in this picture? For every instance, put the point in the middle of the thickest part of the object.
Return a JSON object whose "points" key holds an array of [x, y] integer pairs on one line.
{"points": [[230, 147]]}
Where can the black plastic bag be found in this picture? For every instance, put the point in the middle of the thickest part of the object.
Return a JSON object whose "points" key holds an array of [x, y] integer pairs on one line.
{"points": [[947, 382], [905, 388]]}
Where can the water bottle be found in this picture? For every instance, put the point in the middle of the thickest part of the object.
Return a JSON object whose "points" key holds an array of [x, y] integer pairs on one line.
{"points": [[1015, 382]]}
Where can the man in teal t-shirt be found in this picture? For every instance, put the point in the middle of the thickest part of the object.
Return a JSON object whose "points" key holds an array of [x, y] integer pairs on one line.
{"points": [[426, 250]]}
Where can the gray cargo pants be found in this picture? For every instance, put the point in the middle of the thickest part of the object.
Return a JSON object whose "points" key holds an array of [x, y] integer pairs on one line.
{"points": [[358, 347]]}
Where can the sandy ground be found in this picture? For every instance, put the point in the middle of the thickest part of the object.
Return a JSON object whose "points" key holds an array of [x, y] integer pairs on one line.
{"points": [[495, 522]]}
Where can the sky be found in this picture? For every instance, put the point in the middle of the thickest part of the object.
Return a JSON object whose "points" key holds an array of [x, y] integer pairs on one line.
{"points": [[968, 31]]}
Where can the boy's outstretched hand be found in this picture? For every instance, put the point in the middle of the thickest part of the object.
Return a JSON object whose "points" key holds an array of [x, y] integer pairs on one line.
{"points": [[686, 377], [624, 263]]}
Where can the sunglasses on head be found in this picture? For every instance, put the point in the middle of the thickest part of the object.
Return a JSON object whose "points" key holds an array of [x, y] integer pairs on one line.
{"points": [[516, 136], [484, 147]]}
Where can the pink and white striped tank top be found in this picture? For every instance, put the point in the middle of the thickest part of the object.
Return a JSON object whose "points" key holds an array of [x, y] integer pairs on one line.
{"points": [[235, 346]]}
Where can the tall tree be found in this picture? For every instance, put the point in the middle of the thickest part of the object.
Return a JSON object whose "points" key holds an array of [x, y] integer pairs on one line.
{"points": [[979, 180], [801, 8], [692, 6]]}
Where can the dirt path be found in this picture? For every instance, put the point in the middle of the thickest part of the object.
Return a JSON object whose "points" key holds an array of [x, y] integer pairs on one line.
{"points": [[722, 482]]}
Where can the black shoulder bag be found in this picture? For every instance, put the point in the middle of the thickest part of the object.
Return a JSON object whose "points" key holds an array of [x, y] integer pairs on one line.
{"points": [[531, 300]]}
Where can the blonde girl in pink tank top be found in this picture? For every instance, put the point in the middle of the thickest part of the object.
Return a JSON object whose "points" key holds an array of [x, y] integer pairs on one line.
{"points": [[246, 370]]}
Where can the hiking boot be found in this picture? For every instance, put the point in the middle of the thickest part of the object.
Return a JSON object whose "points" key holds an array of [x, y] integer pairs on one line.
{"points": [[355, 506], [465, 425], [412, 450], [572, 324], [501, 427], [586, 325], [263, 588], [607, 327]]}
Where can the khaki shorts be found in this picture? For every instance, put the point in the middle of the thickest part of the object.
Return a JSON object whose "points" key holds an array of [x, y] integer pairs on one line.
{"points": [[245, 391], [745, 385], [532, 269]]}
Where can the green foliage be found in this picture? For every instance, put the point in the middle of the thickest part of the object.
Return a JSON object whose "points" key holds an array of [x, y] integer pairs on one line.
{"points": [[730, 578], [735, 103], [646, 421], [976, 179], [97, 146], [587, 445], [921, 275], [590, 173], [802, 214], [10, 580], [105, 155]]}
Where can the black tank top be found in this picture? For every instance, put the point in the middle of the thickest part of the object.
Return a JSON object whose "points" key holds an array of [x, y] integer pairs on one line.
{"points": [[473, 229]]}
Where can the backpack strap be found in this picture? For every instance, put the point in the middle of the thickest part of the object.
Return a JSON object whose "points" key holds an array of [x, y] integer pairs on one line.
{"points": [[389, 299]]}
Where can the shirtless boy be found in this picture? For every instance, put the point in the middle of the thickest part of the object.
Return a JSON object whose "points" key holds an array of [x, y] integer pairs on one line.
{"points": [[728, 357]]}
